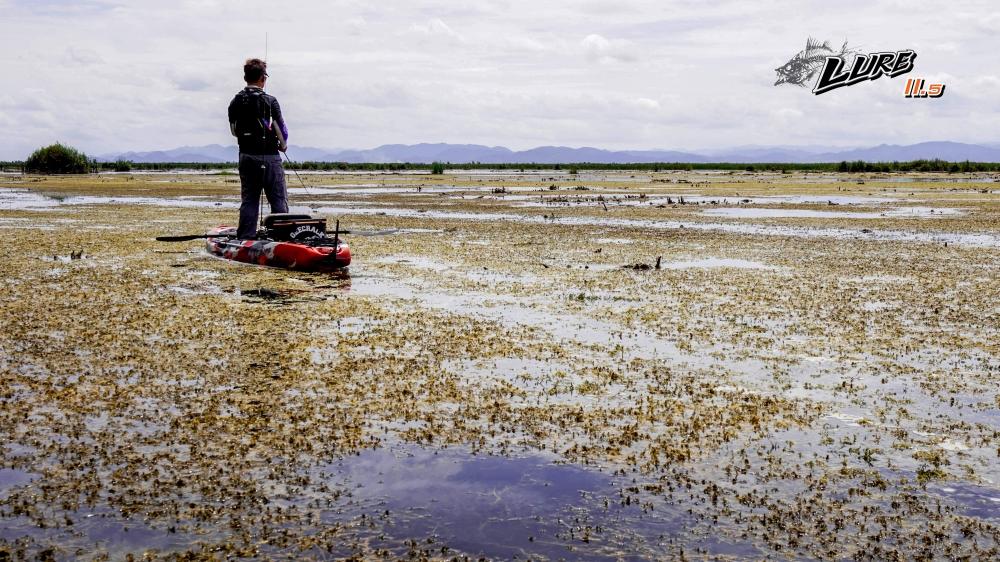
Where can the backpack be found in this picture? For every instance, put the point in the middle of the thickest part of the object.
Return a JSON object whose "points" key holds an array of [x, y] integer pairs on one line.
{"points": [[253, 123]]}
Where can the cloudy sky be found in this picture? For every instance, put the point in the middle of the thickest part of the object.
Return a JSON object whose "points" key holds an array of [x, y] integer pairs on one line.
{"points": [[107, 75]]}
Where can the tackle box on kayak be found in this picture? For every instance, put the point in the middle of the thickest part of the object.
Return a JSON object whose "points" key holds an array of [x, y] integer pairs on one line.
{"points": [[290, 226]]}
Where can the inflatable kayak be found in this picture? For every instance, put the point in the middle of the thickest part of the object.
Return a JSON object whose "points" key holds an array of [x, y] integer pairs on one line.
{"points": [[296, 242]]}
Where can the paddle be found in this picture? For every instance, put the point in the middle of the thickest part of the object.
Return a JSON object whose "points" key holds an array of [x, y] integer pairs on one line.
{"points": [[371, 232], [188, 237]]}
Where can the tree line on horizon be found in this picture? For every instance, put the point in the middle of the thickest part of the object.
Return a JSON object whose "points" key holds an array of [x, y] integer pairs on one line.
{"points": [[62, 159]]}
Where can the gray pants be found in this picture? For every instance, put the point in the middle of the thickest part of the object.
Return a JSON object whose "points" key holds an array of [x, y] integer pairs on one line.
{"points": [[260, 172]]}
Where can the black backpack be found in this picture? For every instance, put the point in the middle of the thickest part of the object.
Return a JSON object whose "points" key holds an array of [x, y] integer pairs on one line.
{"points": [[252, 111]]}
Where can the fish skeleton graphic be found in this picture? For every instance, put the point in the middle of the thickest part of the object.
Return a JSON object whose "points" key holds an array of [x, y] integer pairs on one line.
{"points": [[807, 62]]}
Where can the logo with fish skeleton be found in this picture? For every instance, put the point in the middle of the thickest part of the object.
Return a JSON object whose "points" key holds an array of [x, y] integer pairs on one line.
{"points": [[846, 67]]}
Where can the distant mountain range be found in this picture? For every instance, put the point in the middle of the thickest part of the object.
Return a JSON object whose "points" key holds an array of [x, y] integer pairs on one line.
{"points": [[466, 153]]}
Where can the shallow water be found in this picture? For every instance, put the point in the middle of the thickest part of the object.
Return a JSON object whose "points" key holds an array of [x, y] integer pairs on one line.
{"points": [[680, 199], [507, 507], [21, 199], [368, 189], [717, 262], [16, 198], [974, 501], [936, 179], [562, 324], [746, 212], [98, 531], [982, 240], [12, 478]]}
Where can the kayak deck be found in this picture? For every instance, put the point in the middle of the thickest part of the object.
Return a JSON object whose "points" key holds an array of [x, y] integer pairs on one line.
{"points": [[221, 241]]}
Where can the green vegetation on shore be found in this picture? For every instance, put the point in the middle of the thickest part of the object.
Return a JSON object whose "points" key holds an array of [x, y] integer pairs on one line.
{"points": [[849, 167], [57, 159]]}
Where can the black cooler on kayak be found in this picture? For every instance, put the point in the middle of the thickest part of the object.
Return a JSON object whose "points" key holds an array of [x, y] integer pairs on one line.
{"points": [[294, 227]]}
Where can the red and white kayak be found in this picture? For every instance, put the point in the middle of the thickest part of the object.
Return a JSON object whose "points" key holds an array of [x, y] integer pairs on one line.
{"points": [[300, 256]]}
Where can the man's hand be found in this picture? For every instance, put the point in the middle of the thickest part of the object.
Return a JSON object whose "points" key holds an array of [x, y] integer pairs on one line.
{"points": [[283, 147]]}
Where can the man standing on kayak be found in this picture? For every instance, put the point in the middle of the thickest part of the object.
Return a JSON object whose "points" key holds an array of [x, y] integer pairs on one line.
{"points": [[256, 122]]}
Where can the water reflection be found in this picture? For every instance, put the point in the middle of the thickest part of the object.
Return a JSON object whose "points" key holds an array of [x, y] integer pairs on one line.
{"points": [[511, 507]]}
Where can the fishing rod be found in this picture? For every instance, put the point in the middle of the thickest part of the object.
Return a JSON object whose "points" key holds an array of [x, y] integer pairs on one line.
{"points": [[281, 137], [260, 200], [276, 128], [291, 166], [282, 142]]}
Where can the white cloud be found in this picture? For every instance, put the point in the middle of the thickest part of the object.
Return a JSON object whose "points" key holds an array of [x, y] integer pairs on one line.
{"points": [[988, 82], [989, 23], [646, 103], [192, 81], [524, 44], [438, 29], [85, 57], [622, 74], [26, 101], [599, 49], [356, 26], [786, 115]]}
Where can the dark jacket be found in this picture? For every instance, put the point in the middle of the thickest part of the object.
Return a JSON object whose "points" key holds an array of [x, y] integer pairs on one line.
{"points": [[253, 115]]}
